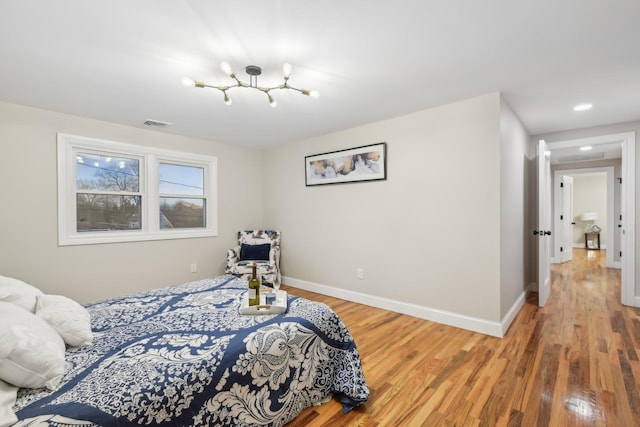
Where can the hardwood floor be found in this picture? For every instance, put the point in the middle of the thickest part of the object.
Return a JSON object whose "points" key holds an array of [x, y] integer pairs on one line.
{"points": [[572, 363]]}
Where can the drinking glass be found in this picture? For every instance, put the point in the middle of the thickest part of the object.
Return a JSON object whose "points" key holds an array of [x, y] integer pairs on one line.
{"points": [[276, 289]]}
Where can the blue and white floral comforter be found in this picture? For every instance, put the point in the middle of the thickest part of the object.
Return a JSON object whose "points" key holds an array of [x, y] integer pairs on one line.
{"points": [[184, 356]]}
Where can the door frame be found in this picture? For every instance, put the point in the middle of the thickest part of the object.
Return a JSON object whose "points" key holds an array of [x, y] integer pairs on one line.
{"points": [[628, 205], [610, 173]]}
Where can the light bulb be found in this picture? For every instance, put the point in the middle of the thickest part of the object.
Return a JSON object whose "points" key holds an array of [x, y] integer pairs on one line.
{"points": [[186, 81], [286, 69], [226, 68], [312, 93], [227, 100], [272, 102]]}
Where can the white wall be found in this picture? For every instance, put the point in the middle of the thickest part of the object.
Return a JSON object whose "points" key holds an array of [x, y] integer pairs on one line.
{"points": [[28, 211], [598, 131], [590, 195], [514, 212], [427, 237]]}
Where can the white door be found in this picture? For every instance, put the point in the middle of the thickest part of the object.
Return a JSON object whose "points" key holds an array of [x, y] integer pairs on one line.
{"points": [[566, 218], [544, 223]]}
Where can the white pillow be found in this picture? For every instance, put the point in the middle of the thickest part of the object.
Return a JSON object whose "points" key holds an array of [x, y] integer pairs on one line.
{"points": [[18, 292], [8, 394], [31, 352], [69, 319]]}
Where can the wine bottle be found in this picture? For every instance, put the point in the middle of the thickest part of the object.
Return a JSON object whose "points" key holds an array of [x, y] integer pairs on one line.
{"points": [[254, 288]]}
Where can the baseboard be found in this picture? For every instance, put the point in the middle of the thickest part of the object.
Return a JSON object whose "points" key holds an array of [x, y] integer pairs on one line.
{"points": [[581, 246], [474, 324], [513, 312]]}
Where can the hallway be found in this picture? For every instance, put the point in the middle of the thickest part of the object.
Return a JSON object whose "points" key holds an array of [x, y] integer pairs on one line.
{"points": [[593, 342]]}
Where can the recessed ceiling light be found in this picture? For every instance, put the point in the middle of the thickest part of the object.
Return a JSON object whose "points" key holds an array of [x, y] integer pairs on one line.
{"points": [[582, 107], [585, 148], [150, 122]]}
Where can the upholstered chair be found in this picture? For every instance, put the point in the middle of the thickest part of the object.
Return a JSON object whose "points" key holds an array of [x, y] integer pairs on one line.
{"points": [[261, 247]]}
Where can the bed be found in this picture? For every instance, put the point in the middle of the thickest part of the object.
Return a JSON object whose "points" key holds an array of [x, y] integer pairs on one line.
{"points": [[185, 356]]}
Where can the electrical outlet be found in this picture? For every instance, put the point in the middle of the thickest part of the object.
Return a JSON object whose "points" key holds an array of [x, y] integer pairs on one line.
{"points": [[360, 273], [194, 268]]}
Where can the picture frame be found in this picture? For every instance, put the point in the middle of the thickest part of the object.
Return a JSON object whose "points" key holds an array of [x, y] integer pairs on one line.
{"points": [[357, 164]]}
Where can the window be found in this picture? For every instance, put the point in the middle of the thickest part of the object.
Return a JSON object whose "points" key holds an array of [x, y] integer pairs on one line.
{"points": [[182, 201], [107, 192], [114, 192]]}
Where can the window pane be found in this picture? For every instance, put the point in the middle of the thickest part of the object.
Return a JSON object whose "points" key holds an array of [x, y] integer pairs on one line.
{"points": [[99, 212], [181, 180], [104, 173], [182, 213]]}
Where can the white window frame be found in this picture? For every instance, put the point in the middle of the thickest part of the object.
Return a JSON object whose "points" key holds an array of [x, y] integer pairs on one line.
{"points": [[150, 158]]}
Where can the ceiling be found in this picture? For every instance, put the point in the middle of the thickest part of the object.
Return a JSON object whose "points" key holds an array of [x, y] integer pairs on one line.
{"points": [[123, 61], [605, 151]]}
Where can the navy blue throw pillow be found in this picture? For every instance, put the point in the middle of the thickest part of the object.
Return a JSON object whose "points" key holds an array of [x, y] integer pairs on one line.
{"points": [[255, 252]]}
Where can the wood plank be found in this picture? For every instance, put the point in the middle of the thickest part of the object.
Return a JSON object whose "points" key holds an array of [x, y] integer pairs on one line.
{"points": [[574, 362]]}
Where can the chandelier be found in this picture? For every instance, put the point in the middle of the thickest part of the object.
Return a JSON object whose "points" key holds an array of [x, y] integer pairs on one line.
{"points": [[253, 71]]}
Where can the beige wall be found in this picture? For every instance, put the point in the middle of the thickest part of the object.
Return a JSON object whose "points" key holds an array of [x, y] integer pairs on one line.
{"points": [[428, 235], [514, 210], [28, 213], [443, 232]]}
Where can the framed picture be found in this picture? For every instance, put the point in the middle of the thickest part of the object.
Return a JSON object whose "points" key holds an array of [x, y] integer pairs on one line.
{"points": [[366, 163]]}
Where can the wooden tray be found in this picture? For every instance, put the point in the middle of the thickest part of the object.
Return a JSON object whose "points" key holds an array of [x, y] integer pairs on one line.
{"points": [[280, 305]]}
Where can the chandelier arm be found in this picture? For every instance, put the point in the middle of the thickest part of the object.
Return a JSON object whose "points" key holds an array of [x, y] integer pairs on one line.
{"points": [[239, 83], [272, 101], [306, 92], [266, 89], [234, 77], [254, 72], [226, 98], [221, 88]]}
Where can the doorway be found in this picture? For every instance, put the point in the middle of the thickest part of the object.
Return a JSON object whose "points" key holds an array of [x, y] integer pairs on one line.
{"points": [[627, 199], [598, 204]]}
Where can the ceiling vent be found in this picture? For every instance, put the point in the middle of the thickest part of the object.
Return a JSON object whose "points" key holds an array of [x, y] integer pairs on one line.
{"points": [[581, 157], [156, 123]]}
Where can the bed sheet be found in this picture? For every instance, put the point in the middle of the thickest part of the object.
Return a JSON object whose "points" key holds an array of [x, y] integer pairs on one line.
{"points": [[185, 356]]}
